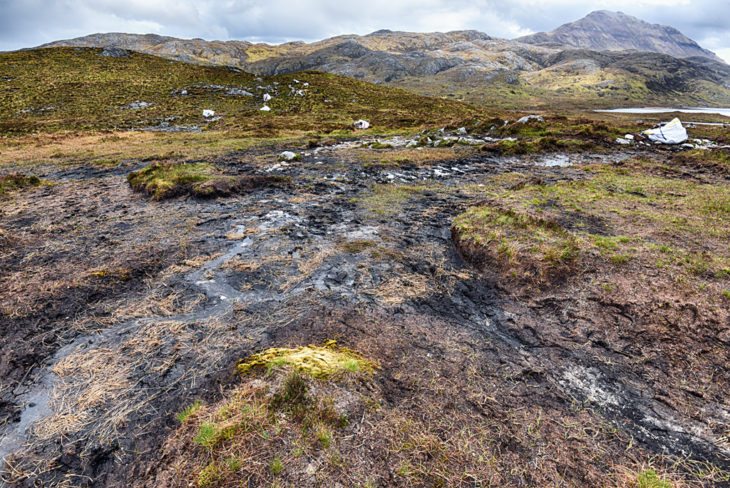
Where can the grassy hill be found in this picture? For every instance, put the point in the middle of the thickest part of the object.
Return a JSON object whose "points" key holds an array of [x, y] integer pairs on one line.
{"points": [[82, 89]]}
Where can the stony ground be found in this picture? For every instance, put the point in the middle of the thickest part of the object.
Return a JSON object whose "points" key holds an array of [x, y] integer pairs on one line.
{"points": [[118, 312]]}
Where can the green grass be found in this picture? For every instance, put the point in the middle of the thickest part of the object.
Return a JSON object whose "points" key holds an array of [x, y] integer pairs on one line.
{"points": [[531, 247], [165, 180], [209, 476]]}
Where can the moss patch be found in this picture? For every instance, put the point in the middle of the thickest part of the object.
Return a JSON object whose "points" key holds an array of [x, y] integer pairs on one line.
{"points": [[315, 361]]}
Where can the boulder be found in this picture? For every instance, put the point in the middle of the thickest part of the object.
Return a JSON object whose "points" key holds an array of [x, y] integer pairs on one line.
{"points": [[289, 156], [530, 118], [362, 124]]}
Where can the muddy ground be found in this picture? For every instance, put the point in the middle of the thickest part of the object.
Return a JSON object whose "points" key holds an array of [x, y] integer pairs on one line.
{"points": [[117, 312]]}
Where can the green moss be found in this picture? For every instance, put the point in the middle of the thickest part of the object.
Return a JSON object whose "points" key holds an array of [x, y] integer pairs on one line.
{"points": [[314, 361]]}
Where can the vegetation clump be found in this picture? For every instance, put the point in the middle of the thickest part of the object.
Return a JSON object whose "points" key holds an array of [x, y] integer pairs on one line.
{"points": [[529, 246], [284, 408], [617, 215], [168, 180], [16, 181], [320, 362]]}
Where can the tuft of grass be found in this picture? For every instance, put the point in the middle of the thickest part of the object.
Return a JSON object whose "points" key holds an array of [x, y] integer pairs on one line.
{"points": [[189, 411], [208, 435], [293, 396], [650, 479], [320, 362], [532, 247], [209, 476], [16, 181], [324, 436], [277, 466]]}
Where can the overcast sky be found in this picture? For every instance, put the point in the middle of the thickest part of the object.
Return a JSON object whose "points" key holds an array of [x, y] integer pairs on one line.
{"points": [[25, 23]]}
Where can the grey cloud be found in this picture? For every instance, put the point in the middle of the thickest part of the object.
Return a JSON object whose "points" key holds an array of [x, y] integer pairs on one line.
{"points": [[25, 23]]}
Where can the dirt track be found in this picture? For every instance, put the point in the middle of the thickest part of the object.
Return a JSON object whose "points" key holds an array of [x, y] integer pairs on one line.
{"points": [[153, 303]]}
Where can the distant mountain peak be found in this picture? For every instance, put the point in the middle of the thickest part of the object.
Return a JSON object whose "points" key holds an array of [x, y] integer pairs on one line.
{"points": [[605, 30]]}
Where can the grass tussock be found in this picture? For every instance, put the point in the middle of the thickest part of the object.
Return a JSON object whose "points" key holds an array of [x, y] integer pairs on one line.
{"points": [[168, 180], [283, 413], [529, 247], [14, 182]]}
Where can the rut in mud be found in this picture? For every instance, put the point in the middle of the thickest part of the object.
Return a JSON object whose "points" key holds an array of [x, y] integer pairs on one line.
{"points": [[324, 259]]}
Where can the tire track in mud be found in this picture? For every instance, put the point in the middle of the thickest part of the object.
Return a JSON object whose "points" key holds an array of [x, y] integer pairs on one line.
{"points": [[311, 230]]}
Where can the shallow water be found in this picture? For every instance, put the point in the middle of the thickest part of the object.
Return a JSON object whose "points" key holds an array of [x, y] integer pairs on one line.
{"points": [[665, 110]]}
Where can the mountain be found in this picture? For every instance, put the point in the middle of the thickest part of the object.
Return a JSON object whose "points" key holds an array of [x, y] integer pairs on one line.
{"points": [[615, 31], [467, 65]]}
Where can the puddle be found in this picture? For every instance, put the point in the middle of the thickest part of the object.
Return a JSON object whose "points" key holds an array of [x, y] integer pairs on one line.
{"points": [[668, 110], [555, 161]]}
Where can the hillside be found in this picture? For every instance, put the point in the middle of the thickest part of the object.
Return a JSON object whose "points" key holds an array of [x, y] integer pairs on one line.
{"points": [[615, 31], [74, 88]]}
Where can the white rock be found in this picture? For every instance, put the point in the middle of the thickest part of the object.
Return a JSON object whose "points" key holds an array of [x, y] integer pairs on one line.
{"points": [[267, 97], [529, 118], [288, 156], [629, 137], [207, 113], [266, 108], [362, 124], [462, 131], [623, 142]]}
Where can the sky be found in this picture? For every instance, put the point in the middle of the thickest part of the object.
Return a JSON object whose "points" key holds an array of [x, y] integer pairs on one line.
{"points": [[26, 23]]}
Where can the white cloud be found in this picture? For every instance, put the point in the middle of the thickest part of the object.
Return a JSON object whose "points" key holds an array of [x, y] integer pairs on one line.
{"points": [[26, 23]]}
